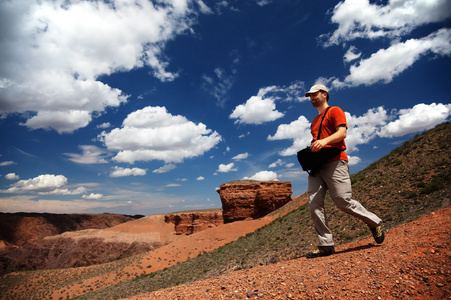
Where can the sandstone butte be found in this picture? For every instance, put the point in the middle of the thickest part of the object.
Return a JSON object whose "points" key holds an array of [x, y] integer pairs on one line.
{"points": [[252, 199]]}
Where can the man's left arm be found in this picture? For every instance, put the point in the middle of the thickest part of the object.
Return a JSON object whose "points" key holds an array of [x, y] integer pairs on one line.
{"points": [[336, 137]]}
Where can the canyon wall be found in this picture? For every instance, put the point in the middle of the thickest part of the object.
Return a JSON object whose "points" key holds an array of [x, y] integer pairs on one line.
{"points": [[246, 199], [192, 222]]}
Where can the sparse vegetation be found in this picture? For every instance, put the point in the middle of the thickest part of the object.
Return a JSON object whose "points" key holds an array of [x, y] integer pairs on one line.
{"points": [[416, 186]]}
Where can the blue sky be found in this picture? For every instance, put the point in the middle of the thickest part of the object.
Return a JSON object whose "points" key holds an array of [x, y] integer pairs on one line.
{"points": [[147, 107]]}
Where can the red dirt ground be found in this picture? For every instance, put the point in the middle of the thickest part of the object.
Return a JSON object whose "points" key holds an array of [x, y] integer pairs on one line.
{"points": [[414, 262]]}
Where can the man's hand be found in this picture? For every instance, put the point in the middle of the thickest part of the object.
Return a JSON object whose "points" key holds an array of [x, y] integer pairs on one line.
{"points": [[339, 135], [318, 145]]}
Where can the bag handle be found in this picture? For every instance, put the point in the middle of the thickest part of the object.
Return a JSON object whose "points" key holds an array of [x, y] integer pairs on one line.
{"points": [[321, 124]]}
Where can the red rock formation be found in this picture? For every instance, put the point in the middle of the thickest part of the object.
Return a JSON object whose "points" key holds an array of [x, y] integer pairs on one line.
{"points": [[189, 223], [252, 199]]}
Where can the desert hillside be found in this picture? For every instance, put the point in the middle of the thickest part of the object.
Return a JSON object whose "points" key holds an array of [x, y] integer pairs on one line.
{"points": [[413, 263], [78, 247], [263, 258], [90, 239], [18, 228]]}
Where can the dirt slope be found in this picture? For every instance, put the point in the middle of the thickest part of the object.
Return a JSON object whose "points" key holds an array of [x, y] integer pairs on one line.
{"points": [[413, 263]]}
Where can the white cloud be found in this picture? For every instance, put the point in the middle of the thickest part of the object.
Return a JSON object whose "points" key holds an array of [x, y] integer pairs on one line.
{"points": [[263, 176], [298, 131], [280, 162], [65, 191], [263, 2], [173, 185], [256, 111], [165, 168], [7, 163], [363, 129], [204, 8], [244, 135], [352, 54], [45, 184], [61, 121], [420, 117], [392, 20], [293, 92], [241, 156], [12, 176], [91, 155], [42, 183], [200, 178], [360, 19], [277, 163], [353, 160], [113, 203], [262, 108], [93, 196], [25, 203], [154, 134], [386, 64], [54, 51], [226, 168], [121, 172], [104, 125], [219, 84]]}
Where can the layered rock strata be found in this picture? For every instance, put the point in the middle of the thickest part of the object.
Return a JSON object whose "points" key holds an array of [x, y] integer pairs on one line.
{"points": [[189, 223], [245, 199]]}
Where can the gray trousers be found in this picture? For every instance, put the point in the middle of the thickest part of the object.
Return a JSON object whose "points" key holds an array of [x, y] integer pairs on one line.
{"points": [[334, 176]]}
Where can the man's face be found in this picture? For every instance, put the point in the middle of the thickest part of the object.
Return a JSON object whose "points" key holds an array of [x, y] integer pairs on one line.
{"points": [[317, 99]]}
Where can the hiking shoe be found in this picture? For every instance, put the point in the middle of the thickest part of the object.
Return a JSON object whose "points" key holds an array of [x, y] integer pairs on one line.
{"points": [[378, 234], [321, 251]]}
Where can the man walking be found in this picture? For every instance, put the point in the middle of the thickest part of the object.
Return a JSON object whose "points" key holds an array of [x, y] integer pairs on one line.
{"points": [[333, 175]]}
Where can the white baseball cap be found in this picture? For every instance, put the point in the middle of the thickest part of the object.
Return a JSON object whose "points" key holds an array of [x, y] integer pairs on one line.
{"points": [[317, 88]]}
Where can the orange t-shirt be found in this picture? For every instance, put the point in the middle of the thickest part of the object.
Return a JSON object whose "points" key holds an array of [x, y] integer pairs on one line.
{"points": [[335, 117]]}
